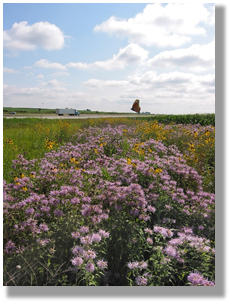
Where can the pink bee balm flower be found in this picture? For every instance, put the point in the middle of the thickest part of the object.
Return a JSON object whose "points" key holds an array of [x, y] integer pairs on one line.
{"points": [[77, 261], [86, 240], [148, 230], [89, 267], [133, 265], [96, 238], [89, 254], [102, 264], [77, 250], [149, 240], [43, 227], [141, 281], [75, 235], [84, 229], [195, 278]]}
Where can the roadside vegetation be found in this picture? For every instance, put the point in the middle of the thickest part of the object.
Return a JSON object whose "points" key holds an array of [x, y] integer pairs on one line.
{"points": [[109, 201]]}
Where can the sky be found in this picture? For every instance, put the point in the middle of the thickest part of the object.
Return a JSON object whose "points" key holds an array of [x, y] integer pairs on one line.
{"points": [[103, 56]]}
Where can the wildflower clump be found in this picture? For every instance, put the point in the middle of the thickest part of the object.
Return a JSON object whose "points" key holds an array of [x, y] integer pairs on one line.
{"points": [[115, 206]]}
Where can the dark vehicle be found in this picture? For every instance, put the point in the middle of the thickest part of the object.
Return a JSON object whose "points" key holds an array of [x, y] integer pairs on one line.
{"points": [[12, 113]]}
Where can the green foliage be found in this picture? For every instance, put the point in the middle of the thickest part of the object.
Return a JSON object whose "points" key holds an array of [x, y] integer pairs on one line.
{"points": [[209, 168], [206, 119]]}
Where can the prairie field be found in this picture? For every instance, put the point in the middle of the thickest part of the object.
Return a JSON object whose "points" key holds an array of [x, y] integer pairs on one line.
{"points": [[109, 201]]}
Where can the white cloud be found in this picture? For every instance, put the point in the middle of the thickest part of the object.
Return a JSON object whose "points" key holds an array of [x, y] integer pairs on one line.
{"points": [[29, 37], [53, 83], [10, 71], [40, 76], [170, 25], [79, 65], [152, 86], [98, 84], [131, 54], [196, 58], [43, 63], [13, 90], [174, 82], [44, 96]]}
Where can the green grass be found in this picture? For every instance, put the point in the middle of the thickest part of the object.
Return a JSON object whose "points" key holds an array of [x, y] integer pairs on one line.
{"points": [[24, 110], [29, 137]]}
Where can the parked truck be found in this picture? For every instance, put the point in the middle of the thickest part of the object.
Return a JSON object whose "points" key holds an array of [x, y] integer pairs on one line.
{"points": [[67, 111]]}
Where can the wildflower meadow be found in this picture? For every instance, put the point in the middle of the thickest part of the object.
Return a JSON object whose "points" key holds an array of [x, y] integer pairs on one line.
{"points": [[108, 202]]}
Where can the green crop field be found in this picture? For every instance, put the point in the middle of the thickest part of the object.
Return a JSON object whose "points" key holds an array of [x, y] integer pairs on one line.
{"points": [[21, 110]]}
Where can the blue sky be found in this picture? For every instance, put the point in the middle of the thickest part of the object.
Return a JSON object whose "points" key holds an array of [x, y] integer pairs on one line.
{"points": [[104, 56]]}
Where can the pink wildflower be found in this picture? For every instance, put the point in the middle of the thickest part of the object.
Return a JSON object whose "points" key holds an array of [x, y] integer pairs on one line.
{"points": [[102, 264], [77, 261], [89, 267], [141, 281]]}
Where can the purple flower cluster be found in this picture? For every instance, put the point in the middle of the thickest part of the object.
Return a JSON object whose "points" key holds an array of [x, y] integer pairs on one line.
{"points": [[140, 265], [197, 279], [102, 264], [163, 231], [145, 181], [84, 255], [10, 247], [175, 247], [141, 281], [77, 261]]}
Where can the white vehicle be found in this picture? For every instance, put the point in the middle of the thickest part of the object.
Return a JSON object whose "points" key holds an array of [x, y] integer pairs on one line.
{"points": [[67, 111]]}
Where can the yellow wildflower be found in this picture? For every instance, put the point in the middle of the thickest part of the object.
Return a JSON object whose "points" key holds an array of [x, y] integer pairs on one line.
{"points": [[9, 141], [129, 162], [62, 165], [157, 171]]}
